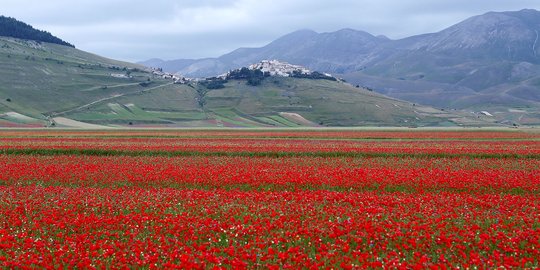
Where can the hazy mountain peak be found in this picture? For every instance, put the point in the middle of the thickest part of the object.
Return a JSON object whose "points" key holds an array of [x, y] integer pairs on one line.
{"points": [[296, 36], [351, 34], [530, 17], [523, 12], [355, 31], [154, 62], [383, 37], [350, 31], [498, 35], [302, 32]]}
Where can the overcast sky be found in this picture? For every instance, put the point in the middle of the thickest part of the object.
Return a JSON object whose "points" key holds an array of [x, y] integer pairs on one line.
{"points": [[135, 30]]}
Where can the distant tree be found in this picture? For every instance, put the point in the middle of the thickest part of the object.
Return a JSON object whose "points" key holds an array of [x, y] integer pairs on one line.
{"points": [[201, 96], [254, 77], [214, 83], [313, 76]]}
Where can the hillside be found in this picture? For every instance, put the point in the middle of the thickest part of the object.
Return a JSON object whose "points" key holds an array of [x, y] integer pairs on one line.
{"points": [[43, 84], [38, 80], [488, 63], [275, 102]]}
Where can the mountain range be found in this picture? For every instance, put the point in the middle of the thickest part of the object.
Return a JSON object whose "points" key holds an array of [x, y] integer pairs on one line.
{"points": [[489, 62]]}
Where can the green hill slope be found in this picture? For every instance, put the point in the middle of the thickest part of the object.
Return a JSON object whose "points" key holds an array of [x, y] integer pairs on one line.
{"points": [[38, 79], [276, 102]]}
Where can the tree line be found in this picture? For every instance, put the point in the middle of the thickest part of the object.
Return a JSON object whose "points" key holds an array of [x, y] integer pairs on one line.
{"points": [[11, 27]]}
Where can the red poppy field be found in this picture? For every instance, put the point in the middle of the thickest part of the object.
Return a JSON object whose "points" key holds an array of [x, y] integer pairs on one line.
{"points": [[269, 199]]}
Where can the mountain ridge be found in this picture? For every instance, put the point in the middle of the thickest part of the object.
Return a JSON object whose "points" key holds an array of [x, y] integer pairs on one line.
{"points": [[486, 62], [412, 42]]}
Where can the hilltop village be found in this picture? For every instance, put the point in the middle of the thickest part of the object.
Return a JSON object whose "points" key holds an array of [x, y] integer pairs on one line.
{"points": [[265, 67]]}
